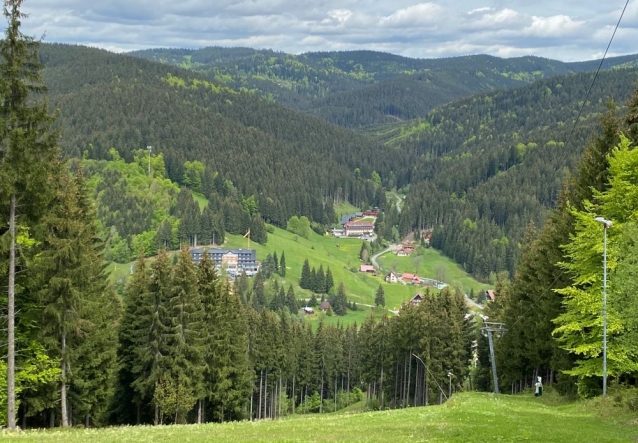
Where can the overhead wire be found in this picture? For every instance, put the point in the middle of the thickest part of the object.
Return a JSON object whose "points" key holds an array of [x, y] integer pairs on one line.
{"points": [[569, 138]]}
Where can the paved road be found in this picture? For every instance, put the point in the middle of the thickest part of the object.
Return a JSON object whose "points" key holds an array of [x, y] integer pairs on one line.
{"points": [[471, 303], [377, 255]]}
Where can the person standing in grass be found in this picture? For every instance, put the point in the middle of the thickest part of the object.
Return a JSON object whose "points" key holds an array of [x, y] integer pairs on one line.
{"points": [[539, 387]]}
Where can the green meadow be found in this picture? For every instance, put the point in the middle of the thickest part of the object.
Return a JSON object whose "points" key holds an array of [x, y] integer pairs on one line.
{"points": [[430, 263], [467, 417], [341, 255]]}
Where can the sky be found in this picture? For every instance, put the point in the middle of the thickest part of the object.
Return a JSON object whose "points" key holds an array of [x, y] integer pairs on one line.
{"points": [[560, 29]]}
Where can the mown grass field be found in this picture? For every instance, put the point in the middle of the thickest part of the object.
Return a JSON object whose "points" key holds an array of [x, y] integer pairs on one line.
{"points": [[426, 264], [467, 417]]}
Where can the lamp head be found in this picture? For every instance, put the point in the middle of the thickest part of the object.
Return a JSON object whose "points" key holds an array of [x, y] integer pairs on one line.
{"points": [[606, 223]]}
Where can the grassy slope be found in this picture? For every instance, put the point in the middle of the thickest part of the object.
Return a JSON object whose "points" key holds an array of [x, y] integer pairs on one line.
{"points": [[469, 417], [360, 288], [428, 261], [323, 250]]}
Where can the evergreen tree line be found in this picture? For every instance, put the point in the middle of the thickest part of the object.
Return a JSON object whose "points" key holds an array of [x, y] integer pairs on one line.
{"points": [[236, 135], [316, 280], [553, 306], [491, 164], [363, 88]]}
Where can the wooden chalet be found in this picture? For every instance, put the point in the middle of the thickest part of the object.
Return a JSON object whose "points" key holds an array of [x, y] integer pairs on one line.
{"points": [[392, 277]]}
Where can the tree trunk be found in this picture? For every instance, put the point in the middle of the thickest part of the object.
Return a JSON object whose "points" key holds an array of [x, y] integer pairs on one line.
{"points": [[321, 396], [409, 377], [381, 388], [199, 412], [261, 382], [63, 405], [24, 416], [280, 385], [294, 399], [11, 356], [427, 389], [156, 420]]}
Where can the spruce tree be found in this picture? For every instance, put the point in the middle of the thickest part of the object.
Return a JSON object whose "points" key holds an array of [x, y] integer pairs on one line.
{"points": [[242, 288], [230, 365], [329, 282], [320, 280], [258, 299], [340, 301], [78, 304], [304, 281], [94, 357], [282, 264], [127, 402], [291, 300], [151, 336], [379, 299], [186, 339], [28, 154], [313, 280], [276, 261]]}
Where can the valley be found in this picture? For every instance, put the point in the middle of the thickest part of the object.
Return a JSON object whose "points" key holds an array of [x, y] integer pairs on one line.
{"points": [[360, 204]]}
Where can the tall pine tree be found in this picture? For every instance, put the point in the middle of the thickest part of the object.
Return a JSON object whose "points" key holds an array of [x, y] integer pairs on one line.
{"points": [[28, 152]]}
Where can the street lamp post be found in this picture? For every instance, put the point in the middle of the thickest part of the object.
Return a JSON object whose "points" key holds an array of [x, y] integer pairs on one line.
{"points": [[149, 148], [606, 225]]}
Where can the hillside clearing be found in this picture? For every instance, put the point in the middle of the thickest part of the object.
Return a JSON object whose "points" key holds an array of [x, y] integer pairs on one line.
{"points": [[468, 417]]}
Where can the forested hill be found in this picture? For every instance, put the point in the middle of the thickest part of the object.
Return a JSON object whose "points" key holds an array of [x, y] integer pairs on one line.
{"points": [[359, 88], [491, 164], [289, 161]]}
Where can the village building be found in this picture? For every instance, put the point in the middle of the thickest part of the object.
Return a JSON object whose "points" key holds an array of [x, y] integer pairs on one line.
{"points": [[407, 278], [490, 295], [416, 300], [392, 277], [354, 229], [234, 261], [324, 306], [367, 268]]}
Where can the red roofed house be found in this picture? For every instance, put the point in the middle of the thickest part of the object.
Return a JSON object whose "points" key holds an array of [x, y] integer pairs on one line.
{"points": [[358, 229], [366, 268], [490, 295], [416, 280], [407, 278]]}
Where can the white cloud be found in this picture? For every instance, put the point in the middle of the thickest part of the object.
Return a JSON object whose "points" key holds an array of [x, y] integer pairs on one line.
{"points": [[567, 30], [555, 26], [415, 15]]}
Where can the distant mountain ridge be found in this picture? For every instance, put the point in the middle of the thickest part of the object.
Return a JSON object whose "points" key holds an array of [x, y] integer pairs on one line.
{"points": [[361, 88], [291, 162]]}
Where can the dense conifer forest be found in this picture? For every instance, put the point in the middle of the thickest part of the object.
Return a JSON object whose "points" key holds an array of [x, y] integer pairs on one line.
{"points": [[360, 88], [509, 180]]}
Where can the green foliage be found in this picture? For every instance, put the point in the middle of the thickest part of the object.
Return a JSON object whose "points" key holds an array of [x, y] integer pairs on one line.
{"points": [[500, 189], [379, 299], [36, 371], [299, 226], [579, 327]]}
